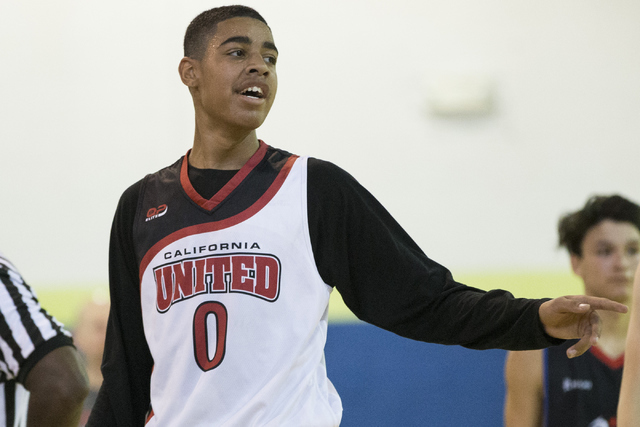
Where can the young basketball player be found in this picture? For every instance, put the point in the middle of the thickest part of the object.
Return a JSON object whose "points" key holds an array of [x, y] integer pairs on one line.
{"points": [[221, 266]]}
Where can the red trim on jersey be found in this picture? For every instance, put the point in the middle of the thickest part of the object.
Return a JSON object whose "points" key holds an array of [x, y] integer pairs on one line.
{"points": [[604, 358], [222, 224], [229, 186], [151, 414]]}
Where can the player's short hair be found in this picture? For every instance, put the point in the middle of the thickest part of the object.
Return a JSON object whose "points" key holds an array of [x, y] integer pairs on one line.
{"points": [[204, 26], [572, 227]]}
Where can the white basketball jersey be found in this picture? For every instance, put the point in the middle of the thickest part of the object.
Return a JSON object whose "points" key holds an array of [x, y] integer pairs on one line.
{"points": [[235, 315]]}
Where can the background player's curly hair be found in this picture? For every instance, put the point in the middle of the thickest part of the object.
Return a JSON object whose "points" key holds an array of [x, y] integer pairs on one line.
{"points": [[573, 227], [204, 26]]}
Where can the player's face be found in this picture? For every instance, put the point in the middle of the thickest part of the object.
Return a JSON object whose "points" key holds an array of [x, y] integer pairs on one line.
{"points": [[610, 255], [237, 77]]}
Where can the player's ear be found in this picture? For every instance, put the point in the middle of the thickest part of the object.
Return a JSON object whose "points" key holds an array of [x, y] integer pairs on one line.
{"points": [[576, 264], [188, 71]]}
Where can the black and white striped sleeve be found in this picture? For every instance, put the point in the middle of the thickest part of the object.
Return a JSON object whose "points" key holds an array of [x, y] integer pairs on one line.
{"points": [[27, 331]]}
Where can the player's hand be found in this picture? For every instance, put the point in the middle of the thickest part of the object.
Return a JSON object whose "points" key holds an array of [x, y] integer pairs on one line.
{"points": [[573, 317]]}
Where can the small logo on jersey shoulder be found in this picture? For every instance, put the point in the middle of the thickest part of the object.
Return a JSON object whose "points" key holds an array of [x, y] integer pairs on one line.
{"points": [[154, 213], [569, 384]]}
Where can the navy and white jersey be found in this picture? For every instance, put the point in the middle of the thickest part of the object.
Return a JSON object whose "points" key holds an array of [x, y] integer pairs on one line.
{"points": [[220, 282], [583, 391], [27, 333]]}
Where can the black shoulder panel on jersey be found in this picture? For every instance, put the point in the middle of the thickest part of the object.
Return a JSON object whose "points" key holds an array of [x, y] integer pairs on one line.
{"points": [[167, 203]]}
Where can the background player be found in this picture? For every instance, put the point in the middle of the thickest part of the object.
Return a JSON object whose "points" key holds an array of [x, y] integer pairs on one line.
{"points": [[42, 381], [603, 240], [247, 240]]}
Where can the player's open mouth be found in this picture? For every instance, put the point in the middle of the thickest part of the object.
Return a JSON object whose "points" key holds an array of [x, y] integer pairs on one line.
{"points": [[253, 92]]}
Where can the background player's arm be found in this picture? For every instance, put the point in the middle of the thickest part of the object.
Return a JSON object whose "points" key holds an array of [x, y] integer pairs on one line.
{"points": [[524, 396], [629, 403], [58, 387]]}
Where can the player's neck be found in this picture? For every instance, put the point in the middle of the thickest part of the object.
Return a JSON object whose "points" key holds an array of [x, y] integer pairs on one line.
{"points": [[614, 332], [222, 150], [614, 323]]}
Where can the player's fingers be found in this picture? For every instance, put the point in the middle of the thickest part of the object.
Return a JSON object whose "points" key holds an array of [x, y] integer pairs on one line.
{"points": [[590, 336], [594, 329], [583, 303], [597, 303], [579, 348], [568, 304]]}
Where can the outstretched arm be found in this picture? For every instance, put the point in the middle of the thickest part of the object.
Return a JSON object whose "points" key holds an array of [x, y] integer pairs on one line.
{"points": [[575, 317], [629, 403], [387, 280]]}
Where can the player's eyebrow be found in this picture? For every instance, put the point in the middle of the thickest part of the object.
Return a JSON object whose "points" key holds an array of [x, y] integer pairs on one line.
{"points": [[270, 45], [247, 40]]}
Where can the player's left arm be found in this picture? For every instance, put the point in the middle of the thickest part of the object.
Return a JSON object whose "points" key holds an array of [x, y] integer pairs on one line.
{"points": [[58, 386], [575, 317], [386, 279]]}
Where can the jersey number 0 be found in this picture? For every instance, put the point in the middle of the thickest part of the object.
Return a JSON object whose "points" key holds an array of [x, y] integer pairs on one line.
{"points": [[201, 335]]}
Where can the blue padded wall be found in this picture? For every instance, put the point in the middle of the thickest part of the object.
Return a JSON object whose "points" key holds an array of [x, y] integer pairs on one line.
{"points": [[386, 380]]}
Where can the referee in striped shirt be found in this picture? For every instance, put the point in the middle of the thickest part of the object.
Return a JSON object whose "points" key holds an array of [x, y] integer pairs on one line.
{"points": [[42, 381]]}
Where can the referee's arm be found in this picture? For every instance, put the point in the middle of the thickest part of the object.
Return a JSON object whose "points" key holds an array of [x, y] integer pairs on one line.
{"points": [[58, 385], [42, 359]]}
